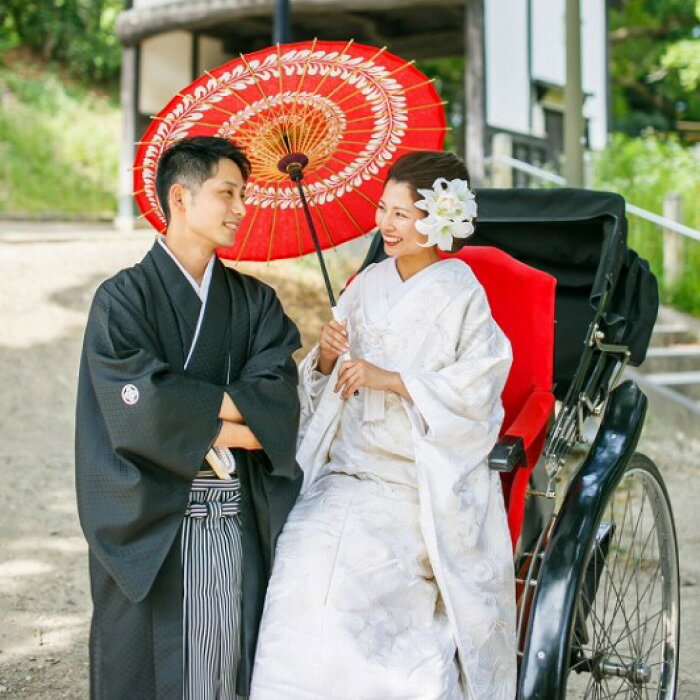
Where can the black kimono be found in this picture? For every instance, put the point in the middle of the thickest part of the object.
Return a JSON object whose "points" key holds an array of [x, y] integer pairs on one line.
{"points": [[143, 428]]}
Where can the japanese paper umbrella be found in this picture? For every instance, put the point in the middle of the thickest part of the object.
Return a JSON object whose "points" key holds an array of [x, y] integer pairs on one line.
{"points": [[320, 121]]}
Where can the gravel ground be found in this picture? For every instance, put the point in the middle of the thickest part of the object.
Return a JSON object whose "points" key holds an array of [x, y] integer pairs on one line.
{"points": [[48, 277]]}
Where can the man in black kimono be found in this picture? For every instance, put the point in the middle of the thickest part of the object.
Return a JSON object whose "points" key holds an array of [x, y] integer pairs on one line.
{"points": [[185, 363]]}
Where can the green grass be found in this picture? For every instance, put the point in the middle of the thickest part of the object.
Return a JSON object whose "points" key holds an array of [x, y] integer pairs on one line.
{"points": [[59, 145]]}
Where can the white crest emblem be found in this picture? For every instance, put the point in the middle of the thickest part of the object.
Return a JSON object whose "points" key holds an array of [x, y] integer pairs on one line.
{"points": [[130, 394]]}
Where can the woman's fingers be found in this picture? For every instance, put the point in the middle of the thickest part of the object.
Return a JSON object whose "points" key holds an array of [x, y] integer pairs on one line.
{"points": [[334, 336], [335, 329], [334, 345], [349, 379], [343, 375], [350, 389], [338, 327]]}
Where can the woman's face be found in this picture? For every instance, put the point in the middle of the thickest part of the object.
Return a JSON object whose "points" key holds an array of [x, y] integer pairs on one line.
{"points": [[396, 219]]}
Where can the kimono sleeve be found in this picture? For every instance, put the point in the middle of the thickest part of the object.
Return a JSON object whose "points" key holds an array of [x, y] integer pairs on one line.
{"points": [[151, 412], [311, 382], [462, 400], [266, 390]]}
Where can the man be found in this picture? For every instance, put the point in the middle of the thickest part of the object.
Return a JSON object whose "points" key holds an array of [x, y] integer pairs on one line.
{"points": [[185, 364]]}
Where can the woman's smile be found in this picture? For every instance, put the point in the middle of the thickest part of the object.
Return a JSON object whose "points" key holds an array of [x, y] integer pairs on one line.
{"points": [[391, 240]]}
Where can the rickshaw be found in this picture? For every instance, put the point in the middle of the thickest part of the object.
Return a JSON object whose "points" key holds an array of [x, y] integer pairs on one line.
{"points": [[595, 550]]}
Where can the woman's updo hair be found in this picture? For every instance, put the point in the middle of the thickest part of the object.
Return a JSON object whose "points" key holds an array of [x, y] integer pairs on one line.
{"points": [[420, 169]]}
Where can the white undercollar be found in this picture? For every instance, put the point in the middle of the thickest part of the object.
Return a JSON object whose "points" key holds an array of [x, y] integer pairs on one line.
{"points": [[202, 290]]}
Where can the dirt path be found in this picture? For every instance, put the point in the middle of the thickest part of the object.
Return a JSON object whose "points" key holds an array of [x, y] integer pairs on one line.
{"points": [[45, 289]]}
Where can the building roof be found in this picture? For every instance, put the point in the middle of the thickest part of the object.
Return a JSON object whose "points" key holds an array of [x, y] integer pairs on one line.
{"points": [[417, 28]]}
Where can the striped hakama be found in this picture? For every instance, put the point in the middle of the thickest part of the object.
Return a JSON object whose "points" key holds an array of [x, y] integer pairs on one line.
{"points": [[211, 561]]}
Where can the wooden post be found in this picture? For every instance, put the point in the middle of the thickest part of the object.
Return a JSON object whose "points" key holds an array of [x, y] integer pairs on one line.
{"points": [[573, 98], [501, 173], [129, 100], [281, 28], [5, 184], [475, 112], [673, 243]]}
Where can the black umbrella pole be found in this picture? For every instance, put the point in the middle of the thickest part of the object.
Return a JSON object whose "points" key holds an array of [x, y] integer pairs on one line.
{"points": [[317, 245]]}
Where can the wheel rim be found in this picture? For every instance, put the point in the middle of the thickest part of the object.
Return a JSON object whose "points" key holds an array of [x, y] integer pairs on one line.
{"points": [[625, 636]]}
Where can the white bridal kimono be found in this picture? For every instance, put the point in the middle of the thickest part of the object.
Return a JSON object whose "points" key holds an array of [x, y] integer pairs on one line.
{"points": [[393, 576]]}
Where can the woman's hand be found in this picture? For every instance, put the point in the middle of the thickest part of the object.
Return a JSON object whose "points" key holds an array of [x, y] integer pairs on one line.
{"points": [[356, 374], [332, 343]]}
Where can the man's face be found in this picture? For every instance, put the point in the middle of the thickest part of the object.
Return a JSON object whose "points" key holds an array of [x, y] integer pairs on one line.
{"points": [[214, 212]]}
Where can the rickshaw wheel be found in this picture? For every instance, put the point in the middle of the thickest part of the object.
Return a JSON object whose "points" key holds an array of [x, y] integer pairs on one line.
{"points": [[624, 640]]}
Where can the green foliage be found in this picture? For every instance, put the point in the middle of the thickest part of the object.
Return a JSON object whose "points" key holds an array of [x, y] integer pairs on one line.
{"points": [[654, 63], [449, 82], [59, 148], [77, 33], [684, 57], [644, 170]]}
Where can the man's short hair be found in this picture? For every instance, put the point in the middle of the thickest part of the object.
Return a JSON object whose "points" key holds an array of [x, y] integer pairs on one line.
{"points": [[193, 160]]}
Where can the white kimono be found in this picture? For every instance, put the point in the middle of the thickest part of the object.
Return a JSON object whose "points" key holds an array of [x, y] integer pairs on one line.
{"points": [[393, 575]]}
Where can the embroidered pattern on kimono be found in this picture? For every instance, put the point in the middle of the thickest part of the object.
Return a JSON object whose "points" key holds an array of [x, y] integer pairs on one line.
{"points": [[394, 572]]}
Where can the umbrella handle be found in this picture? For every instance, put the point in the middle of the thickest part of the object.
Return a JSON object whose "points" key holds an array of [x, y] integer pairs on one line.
{"points": [[337, 317], [345, 355]]}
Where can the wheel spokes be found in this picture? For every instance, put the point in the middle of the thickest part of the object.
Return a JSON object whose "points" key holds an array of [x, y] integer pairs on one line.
{"points": [[624, 646]]}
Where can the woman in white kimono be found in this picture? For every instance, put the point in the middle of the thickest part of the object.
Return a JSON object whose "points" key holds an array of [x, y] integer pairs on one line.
{"points": [[393, 576]]}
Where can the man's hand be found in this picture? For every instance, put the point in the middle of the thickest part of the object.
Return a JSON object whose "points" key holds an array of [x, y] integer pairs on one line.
{"points": [[355, 374], [229, 411], [332, 343], [236, 435]]}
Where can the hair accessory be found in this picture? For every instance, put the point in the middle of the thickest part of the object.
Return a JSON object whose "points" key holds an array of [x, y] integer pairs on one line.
{"points": [[451, 210]]}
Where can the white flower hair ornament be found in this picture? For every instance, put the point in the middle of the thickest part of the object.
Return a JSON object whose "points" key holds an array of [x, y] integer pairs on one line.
{"points": [[451, 210]]}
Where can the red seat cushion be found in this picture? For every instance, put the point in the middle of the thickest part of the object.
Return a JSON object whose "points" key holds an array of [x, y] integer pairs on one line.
{"points": [[522, 303]]}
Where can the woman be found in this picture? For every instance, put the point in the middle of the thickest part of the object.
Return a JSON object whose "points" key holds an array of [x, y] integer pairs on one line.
{"points": [[393, 575]]}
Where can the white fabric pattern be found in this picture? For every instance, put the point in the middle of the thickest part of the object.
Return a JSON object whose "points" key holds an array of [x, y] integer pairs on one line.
{"points": [[394, 573]]}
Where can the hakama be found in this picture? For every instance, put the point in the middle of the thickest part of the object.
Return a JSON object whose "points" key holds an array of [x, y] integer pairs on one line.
{"points": [[154, 368]]}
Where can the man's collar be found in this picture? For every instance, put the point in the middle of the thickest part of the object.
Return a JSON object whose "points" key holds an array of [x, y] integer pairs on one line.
{"points": [[202, 290]]}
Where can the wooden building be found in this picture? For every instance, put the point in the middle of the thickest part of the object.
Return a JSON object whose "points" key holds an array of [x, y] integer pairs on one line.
{"points": [[513, 50]]}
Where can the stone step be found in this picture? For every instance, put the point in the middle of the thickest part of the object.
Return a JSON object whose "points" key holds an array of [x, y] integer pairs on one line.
{"points": [[677, 358], [687, 383], [668, 405], [666, 334]]}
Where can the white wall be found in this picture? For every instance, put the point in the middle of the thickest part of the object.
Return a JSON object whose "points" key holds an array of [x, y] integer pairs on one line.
{"points": [[595, 74], [508, 86], [507, 82], [211, 53], [548, 43], [549, 56], [166, 68]]}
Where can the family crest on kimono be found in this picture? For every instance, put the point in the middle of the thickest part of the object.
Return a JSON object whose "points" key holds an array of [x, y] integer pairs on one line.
{"points": [[187, 419], [393, 576]]}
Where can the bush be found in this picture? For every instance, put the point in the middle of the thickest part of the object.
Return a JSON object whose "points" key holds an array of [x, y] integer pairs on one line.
{"points": [[59, 147], [643, 170], [77, 33]]}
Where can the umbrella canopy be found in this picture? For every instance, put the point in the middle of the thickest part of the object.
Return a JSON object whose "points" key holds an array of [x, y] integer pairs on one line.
{"points": [[334, 114]]}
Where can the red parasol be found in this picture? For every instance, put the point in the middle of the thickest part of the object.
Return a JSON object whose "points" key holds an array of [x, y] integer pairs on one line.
{"points": [[334, 114]]}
